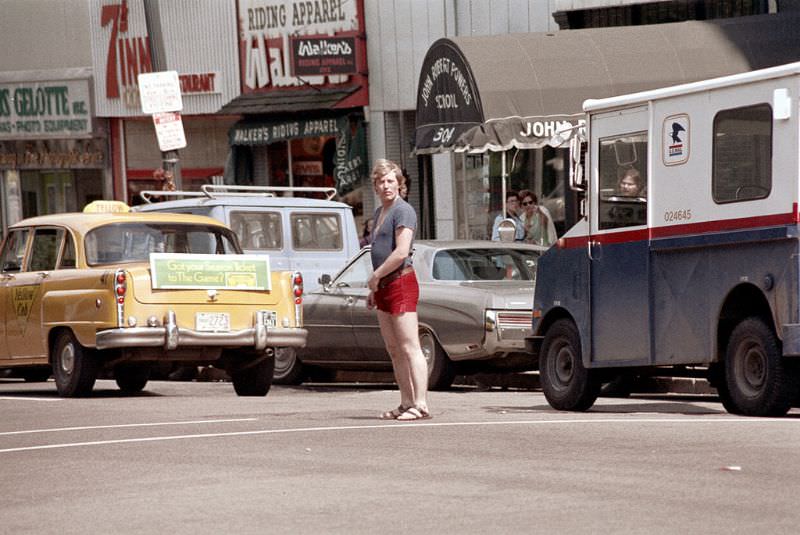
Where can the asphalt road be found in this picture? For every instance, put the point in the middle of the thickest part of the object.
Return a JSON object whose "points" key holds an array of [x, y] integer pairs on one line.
{"points": [[195, 458]]}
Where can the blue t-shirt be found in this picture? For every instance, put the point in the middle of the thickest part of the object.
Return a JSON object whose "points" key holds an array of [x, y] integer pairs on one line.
{"points": [[400, 214]]}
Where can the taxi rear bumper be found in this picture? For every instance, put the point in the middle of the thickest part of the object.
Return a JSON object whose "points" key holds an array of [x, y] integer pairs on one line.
{"points": [[170, 336]]}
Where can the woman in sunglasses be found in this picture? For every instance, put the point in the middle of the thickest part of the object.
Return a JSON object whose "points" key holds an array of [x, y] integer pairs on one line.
{"points": [[538, 225]]}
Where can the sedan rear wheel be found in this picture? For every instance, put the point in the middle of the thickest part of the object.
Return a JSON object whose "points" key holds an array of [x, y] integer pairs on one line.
{"points": [[288, 368], [441, 371]]}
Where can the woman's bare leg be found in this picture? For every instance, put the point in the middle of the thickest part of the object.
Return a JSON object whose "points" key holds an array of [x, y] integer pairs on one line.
{"points": [[406, 335], [400, 364]]}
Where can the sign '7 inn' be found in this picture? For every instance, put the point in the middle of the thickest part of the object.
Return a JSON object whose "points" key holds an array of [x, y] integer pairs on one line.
{"points": [[267, 29]]}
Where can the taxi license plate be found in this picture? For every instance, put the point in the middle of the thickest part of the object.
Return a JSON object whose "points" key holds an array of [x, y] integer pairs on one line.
{"points": [[270, 318], [212, 321]]}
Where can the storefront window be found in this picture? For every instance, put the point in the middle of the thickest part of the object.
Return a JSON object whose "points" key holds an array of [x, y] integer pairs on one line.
{"points": [[479, 186]]}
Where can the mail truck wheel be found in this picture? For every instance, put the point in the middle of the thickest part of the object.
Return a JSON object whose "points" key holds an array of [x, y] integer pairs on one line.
{"points": [[74, 366], [760, 382], [132, 378], [288, 368], [567, 384], [255, 379], [441, 371]]}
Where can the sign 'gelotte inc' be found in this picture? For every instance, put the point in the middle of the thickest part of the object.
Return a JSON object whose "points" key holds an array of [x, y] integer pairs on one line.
{"points": [[37, 110]]}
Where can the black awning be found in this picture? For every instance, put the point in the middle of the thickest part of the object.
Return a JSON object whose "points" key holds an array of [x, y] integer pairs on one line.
{"points": [[286, 101], [518, 90]]}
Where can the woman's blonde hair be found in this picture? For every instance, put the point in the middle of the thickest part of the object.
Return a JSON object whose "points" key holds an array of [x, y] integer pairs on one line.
{"points": [[384, 167]]}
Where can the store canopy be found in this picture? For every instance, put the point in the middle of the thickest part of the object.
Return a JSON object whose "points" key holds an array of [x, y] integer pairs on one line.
{"points": [[287, 101], [518, 90]]}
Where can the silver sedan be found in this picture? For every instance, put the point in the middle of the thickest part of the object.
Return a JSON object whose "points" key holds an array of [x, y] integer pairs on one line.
{"points": [[476, 299]]}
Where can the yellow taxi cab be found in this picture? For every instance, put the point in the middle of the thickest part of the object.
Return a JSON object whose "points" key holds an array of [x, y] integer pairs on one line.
{"points": [[109, 290]]}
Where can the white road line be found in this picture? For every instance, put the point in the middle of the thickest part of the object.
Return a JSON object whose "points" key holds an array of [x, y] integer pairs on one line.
{"points": [[399, 425], [147, 424], [26, 398]]}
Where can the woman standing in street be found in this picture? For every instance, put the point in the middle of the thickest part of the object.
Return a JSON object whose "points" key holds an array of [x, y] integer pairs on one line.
{"points": [[395, 292]]}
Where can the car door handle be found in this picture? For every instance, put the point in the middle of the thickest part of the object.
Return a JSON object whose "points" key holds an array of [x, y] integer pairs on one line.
{"points": [[349, 301], [44, 274]]}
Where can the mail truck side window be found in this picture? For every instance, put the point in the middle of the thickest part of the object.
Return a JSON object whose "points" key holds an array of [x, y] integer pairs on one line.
{"points": [[14, 250], [742, 165]]}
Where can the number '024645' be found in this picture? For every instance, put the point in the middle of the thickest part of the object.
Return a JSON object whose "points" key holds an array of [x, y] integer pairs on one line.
{"points": [[671, 216]]}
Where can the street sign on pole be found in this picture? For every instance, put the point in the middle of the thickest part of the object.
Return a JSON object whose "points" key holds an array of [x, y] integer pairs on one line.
{"points": [[160, 92], [169, 131]]}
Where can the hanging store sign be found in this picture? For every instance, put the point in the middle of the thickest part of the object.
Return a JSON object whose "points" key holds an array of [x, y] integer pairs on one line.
{"points": [[297, 43], [42, 110], [264, 133], [350, 159], [314, 56]]}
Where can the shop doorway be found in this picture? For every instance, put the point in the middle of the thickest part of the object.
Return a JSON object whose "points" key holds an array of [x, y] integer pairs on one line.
{"points": [[59, 191]]}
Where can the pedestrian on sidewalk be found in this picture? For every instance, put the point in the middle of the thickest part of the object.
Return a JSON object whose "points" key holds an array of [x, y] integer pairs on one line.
{"points": [[394, 291]]}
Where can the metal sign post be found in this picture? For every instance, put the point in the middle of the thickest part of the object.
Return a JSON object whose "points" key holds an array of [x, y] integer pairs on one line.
{"points": [[152, 15]]}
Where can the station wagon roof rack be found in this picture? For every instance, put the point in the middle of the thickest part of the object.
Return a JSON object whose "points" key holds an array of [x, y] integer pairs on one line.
{"points": [[214, 191]]}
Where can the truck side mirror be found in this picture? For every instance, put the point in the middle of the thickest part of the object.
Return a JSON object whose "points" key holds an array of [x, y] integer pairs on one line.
{"points": [[577, 157], [324, 280]]}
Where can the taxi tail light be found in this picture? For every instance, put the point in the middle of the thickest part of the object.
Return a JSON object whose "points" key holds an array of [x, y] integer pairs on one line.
{"points": [[120, 289], [297, 292], [297, 288]]}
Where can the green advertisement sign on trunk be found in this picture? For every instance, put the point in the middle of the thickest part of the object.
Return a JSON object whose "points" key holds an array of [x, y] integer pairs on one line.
{"points": [[208, 271]]}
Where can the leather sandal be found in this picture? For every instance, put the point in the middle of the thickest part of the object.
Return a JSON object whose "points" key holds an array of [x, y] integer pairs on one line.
{"points": [[393, 414], [414, 413]]}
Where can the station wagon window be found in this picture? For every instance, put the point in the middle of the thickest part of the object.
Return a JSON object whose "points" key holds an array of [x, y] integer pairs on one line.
{"points": [[44, 250], [258, 230], [316, 232], [133, 242], [622, 165], [742, 165], [14, 250]]}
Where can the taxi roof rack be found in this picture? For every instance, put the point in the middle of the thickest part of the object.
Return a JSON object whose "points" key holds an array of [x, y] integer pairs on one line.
{"points": [[214, 191]]}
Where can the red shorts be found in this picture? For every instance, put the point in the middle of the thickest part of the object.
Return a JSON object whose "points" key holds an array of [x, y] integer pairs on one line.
{"points": [[399, 296]]}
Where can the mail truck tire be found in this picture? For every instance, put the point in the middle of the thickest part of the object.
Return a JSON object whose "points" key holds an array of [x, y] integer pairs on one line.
{"points": [[760, 382], [74, 366], [254, 380], [441, 371], [566, 383], [288, 368], [132, 378]]}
